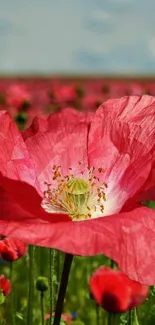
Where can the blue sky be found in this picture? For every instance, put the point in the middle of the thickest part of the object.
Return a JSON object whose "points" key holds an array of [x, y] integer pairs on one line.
{"points": [[77, 36]]}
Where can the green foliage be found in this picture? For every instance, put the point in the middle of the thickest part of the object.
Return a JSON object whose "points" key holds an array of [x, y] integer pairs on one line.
{"points": [[123, 319], [149, 204], [2, 297], [77, 296]]}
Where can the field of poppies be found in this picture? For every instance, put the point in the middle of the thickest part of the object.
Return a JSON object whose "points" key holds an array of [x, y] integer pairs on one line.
{"points": [[77, 201]]}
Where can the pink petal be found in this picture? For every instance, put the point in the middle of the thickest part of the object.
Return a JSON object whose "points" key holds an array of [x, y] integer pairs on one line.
{"points": [[17, 173], [15, 162], [58, 139], [121, 140], [20, 201], [128, 238]]}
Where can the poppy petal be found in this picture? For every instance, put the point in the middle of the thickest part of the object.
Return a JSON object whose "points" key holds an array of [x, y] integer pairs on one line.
{"points": [[127, 238]]}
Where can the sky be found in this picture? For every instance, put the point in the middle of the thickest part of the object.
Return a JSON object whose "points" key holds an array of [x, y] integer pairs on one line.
{"points": [[77, 37]]}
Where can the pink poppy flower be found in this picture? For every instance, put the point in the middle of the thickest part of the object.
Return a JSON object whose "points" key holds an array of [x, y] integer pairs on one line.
{"points": [[115, 292], [76, 181]]}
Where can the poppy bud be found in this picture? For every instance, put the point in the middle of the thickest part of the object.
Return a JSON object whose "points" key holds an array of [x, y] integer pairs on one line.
{"points": [[42, 283]]}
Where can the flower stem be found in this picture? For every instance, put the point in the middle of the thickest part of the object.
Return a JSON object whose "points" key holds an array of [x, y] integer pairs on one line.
{"points": [[42, 307], [130, 317], [51, 283], [110, 319], [12, 296], [133, 319], [62, 289], [31, 286], [41, 263], [58, 269], [97, 315]]}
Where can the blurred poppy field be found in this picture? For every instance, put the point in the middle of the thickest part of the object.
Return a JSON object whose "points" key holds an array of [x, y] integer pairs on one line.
{"points": [[30, 97], [24, 99]]}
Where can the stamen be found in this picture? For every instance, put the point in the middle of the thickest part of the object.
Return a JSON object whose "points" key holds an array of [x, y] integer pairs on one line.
{"points": [[78, 197]]}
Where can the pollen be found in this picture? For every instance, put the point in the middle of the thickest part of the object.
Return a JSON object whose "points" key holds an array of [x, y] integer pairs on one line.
{"points": [[101, 170]]}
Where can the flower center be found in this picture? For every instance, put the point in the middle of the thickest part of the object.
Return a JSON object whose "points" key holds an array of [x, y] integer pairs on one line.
{"points": [[78, 197]]}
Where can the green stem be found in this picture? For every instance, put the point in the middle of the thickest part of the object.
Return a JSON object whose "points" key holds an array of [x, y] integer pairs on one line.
{"points": [[58, 269], [50, 286], [12, 296], [52, 282], [42, 307], [110, 319], [41, 263], [130, 317], [133, 319], [31, 286], [1, 313], [62, 289], [97, 315], [54, 278]]}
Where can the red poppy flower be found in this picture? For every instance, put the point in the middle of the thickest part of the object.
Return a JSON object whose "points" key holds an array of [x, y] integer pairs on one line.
{"points": [[91, 102], [115, 292], [5, 285], [12, 249], [17, 95], [75, 182], [65, 94]]}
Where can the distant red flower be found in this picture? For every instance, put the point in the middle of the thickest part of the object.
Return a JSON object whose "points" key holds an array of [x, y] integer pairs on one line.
{"points": [[115, 292], [75, 182], [67, 318], [135, 89], [12, 249], [17, 95], [5, 285], [65, 94], [91, 102]]}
